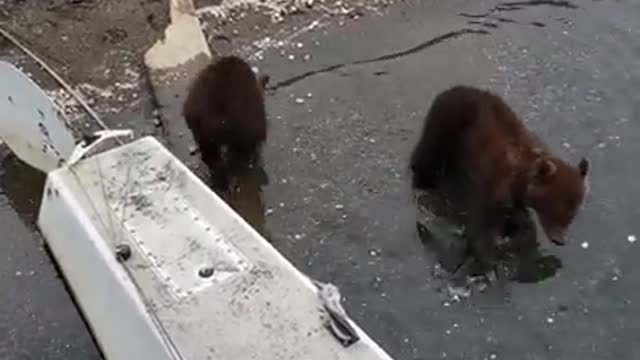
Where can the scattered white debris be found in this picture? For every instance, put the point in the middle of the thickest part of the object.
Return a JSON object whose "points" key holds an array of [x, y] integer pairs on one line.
{"points": [[299, 101], [269, 211], [492, 356], [631, 238], [585, 245], [309, 95], [299, 45], [298, 236], [550, 320], [18, 273], [306, 57], [339, 206], [458, 292], [617, 274], [281, 204], [372, 252]]}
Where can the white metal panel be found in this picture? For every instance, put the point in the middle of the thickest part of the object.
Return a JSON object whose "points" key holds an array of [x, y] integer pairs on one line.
{"points": [[30, 123], [255, 305], [101, 286]]}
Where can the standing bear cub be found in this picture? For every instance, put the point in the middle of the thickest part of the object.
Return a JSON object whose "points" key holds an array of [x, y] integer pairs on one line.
{"points": [[475, 134], [225, 110]]}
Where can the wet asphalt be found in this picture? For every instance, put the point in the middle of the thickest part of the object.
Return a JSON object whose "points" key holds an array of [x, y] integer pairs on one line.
{"points": [[344, 123], [339, 205], [38, 319]]}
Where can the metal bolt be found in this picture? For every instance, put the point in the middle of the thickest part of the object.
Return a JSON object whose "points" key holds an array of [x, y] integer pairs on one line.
{"points": [[206, 272], [123, 252]]}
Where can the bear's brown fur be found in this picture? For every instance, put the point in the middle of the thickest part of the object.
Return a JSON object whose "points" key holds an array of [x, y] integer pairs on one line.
{"points": [[225, 109], [474, 133]]}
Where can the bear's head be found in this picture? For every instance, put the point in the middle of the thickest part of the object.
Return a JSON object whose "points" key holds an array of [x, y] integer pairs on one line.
{"points": [[555, 191]]}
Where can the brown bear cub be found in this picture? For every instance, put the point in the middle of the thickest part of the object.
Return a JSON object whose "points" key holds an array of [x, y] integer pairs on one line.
{"points": [[474, 134], [225, 110]]}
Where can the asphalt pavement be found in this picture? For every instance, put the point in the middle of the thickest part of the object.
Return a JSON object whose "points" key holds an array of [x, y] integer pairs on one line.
{"points": [[347, 107], [343, 124]]}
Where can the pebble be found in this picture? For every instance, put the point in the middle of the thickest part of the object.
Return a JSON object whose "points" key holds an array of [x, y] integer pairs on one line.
{"points": [[339, 206], [585, 245], [631, 238], [299, 100]]}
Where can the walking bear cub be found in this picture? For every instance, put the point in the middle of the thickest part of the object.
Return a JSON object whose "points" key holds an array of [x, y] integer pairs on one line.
{"points": [[225, 109], [474, 133]]}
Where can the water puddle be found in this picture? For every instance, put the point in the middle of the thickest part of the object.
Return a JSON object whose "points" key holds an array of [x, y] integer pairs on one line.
{"points": [[519, 256], [241, 186], [22, 185], [484, 19], [245, 195]]}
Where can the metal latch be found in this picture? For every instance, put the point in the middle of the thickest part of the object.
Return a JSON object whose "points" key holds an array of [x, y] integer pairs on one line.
{"points": [[338, 321]]}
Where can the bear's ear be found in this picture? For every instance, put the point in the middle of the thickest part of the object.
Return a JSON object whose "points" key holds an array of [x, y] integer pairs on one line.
{"points": [[264, 81], [543, 168], [583, 167]]}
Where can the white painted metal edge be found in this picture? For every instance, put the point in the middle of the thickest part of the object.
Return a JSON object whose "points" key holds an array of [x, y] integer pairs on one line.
{"points": [[102, 286], [98, 281]]}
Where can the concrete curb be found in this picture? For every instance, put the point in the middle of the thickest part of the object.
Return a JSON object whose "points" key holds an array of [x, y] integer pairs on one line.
{"points": [[183, 40], [172, 63]]}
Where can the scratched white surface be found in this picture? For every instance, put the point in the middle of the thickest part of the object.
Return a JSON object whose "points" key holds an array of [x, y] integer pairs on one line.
{"points": [[255, 306]]}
